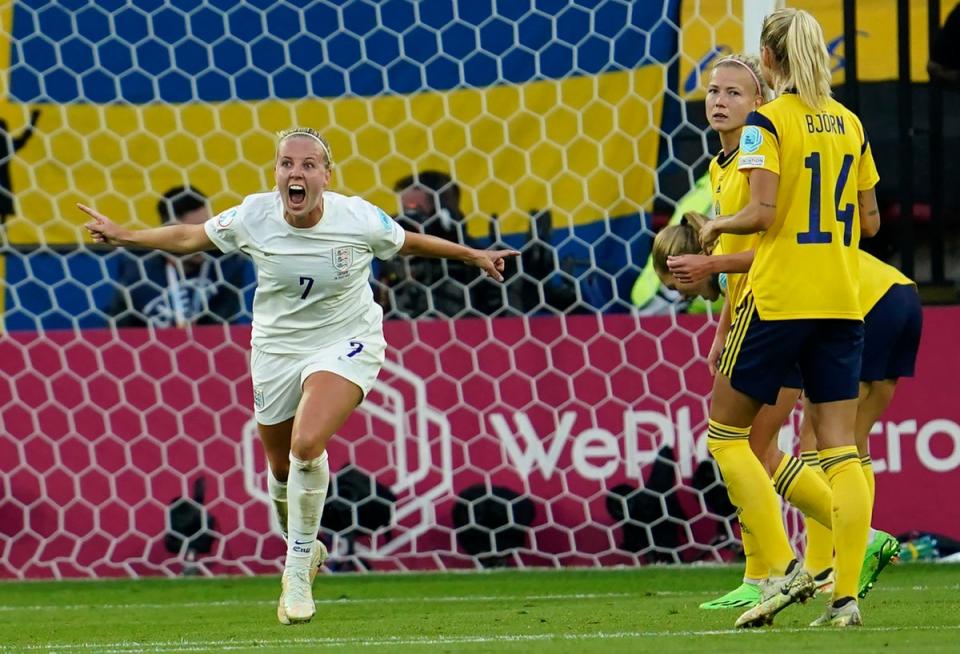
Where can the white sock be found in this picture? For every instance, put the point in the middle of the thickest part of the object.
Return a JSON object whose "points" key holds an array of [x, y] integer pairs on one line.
{"points": [[278, 495], [306, 491]]}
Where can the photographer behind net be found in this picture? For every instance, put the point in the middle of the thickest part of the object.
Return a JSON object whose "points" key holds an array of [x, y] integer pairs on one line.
{"points": [[416, 287]]}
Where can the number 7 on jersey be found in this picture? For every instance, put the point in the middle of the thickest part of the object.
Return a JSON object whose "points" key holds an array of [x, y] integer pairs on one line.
{"points": [[309, 282]]}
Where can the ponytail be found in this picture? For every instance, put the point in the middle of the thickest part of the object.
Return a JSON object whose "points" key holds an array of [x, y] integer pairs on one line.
{"points": [[695, 220], [795, 40]]}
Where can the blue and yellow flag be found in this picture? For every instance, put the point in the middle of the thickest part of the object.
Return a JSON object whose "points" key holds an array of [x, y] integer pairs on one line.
{"points": [[526, 109]]}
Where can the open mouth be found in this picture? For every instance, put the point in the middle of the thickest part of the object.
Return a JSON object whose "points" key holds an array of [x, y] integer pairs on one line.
{"points": [[296, 193]]}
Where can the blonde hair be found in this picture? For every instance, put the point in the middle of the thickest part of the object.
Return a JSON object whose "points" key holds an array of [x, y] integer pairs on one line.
{"points": [[752, 64], [795, 40], [674, 240], [310, 133]]}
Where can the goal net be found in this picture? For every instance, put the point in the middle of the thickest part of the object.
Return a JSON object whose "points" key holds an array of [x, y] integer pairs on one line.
{"points": [[557, 419]]}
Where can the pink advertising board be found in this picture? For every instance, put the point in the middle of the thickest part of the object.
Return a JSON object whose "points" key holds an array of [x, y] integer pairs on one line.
{"points": [[100, 431]]}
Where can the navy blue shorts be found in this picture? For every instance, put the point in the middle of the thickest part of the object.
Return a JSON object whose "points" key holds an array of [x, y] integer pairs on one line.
{"points": [[793, 379], [760, 355], [891, 335]]}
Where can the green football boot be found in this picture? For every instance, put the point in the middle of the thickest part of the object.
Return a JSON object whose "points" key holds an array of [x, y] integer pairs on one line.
{"points": [[882, 550], [744, 596]]}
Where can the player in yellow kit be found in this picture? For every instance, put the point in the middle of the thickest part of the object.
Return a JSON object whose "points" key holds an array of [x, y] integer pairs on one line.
{"points": [[892, 324], [893, 319], [811, 177], [736, 88]]}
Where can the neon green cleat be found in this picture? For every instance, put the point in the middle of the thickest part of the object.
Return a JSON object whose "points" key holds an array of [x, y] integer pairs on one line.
{"points": [[744, 596], [882, 550]]}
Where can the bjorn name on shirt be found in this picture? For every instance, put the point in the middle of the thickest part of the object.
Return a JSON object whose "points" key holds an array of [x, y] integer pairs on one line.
{"points": [[823, 122]]}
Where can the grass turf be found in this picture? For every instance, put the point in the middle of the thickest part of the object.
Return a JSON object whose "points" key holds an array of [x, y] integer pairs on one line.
{"points": [[913, 608]]}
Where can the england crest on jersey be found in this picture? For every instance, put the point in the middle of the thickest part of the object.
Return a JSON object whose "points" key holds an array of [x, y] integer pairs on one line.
{"points": [[342, 258]]}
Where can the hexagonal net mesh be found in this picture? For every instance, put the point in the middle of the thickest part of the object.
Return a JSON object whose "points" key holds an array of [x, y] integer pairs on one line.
{"points": [[538, 422]]}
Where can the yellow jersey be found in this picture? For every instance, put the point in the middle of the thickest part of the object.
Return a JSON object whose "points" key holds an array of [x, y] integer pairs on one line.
{"points": [[876, 278], [807, 262], [731, 193]]}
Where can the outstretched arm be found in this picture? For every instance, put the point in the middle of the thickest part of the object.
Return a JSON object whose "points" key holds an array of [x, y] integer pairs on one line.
{"points": [[424, 245], [177, 239]]}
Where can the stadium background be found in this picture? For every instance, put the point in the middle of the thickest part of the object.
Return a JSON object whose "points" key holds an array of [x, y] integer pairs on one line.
{"points": [[589, 110]]}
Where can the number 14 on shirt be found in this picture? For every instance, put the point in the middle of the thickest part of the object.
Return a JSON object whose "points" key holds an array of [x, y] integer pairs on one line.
{"points": [[844, 215]]}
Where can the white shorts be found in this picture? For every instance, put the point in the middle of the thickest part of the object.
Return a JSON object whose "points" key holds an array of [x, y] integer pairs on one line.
{"points": [[278, 378]]}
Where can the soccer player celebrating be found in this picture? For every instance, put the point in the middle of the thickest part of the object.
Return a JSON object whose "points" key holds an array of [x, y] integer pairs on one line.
{"points": [[317, 343], [812, 179]]}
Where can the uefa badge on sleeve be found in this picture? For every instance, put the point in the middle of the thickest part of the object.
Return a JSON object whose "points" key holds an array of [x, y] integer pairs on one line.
{"points": [[225, 219], [750, 139]]}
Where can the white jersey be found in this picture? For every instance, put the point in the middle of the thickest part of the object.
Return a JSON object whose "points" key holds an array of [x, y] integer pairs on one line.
{"points": [[313, 286]]}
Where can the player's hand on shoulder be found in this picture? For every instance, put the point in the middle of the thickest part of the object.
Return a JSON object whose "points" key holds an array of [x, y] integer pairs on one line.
{"points": [[491, 262], [101, 228]]}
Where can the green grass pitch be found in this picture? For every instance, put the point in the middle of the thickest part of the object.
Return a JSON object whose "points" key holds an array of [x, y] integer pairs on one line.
{"points": [[914, 608]]}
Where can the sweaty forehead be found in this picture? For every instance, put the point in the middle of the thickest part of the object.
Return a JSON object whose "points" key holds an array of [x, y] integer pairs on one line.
{"points": [[301, 147]]}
